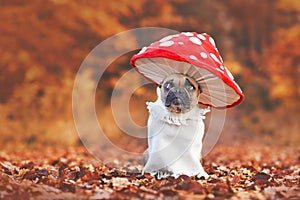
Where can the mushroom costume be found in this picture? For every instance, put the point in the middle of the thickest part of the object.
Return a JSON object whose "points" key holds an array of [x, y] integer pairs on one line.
{"points": [[194, 55]]}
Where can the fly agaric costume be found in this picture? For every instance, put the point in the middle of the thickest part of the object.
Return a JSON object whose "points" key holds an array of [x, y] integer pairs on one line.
{"points": [[194, 55]]}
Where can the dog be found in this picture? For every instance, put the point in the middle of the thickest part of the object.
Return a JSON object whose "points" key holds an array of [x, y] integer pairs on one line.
{"points": [[175, 129]]}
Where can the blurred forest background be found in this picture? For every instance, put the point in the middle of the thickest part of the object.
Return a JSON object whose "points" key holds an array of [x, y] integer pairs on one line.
{"points": [[44, 42]]}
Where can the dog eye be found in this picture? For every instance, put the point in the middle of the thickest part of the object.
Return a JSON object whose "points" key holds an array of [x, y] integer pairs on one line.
{"points": [[168, 85], [190, 88]]}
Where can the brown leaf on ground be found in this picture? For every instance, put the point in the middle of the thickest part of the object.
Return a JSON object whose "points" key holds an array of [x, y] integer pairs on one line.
{"points": [[77, 175]]}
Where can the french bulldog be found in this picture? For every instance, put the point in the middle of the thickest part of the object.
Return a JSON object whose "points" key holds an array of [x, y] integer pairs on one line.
{"points": [[175, 129], [180, 93]]}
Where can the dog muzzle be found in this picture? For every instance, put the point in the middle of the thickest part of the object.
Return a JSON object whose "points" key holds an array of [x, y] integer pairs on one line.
{"points": [[178, 100]]}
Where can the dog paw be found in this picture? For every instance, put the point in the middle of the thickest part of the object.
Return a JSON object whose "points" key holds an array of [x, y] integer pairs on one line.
{"points": [[161, 174], [202, 175]]}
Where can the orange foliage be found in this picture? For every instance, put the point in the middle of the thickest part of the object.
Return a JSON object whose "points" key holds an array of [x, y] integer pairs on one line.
{"points": [[44, 42]]}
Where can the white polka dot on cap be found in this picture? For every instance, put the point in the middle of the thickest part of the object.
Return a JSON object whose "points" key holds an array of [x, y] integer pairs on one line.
{"points": [[188, 34], [229, 74], [202, 37], [220, 70], [166, 38], [212, 41], [203, 55], [193, 57], [166, 44], [142, 50], [195, 40], [215, 58]]}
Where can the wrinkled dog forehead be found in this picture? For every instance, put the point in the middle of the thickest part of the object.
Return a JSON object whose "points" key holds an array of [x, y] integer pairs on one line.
{"points": [[179, 80]]}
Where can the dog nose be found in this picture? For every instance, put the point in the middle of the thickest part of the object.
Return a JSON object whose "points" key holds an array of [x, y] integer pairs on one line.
{"points": [[176, 101]]}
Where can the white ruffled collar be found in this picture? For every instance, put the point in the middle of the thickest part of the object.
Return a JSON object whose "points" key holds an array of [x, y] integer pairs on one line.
{"points": [[159, 111]]}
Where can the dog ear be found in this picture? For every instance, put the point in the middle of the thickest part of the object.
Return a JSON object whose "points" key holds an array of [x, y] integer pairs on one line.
{"points": [[200, 88], [188, 83]]}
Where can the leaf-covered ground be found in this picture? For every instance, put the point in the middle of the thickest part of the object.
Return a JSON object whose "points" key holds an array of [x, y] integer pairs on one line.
{"points": [[237, 172]]}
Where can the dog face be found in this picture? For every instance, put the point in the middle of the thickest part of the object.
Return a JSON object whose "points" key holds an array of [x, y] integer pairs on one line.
{"points": [[180, 93]]}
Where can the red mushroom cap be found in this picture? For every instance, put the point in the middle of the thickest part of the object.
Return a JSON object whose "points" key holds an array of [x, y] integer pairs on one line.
{"points": [[195, 55]]}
